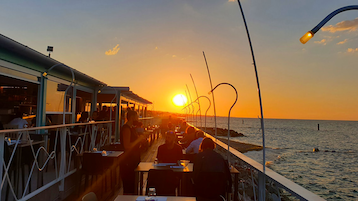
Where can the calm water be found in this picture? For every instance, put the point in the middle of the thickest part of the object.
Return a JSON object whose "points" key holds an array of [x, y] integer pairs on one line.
{"points": [[333, 174]]}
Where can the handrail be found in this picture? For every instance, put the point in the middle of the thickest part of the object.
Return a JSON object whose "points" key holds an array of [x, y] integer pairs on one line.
{"points": [[283, 182], [54, 126]]}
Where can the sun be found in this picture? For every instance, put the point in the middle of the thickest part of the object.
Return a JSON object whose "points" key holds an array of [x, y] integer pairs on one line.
{"points": [[179, 100]]}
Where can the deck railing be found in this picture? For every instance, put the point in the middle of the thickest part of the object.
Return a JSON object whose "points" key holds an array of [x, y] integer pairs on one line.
{"points": [[66, 141], [256, 175]]}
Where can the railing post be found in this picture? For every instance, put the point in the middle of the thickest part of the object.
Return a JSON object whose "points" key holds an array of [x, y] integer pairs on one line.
{"points": [[63, 159], [262, 187], [1, 157]]}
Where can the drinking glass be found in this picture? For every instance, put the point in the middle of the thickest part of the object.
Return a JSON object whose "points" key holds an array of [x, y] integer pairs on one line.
{"points": [[152, 192]]}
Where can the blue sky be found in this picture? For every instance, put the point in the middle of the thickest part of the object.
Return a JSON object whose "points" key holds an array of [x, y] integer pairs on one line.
{"points": [[160, 43]]}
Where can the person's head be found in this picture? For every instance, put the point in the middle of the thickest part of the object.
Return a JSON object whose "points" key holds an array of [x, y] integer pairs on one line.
{"points": [[199, 134], [132, 116], [18, 114], [207, 144], [95, 115], [170, 137], [190, 130]]}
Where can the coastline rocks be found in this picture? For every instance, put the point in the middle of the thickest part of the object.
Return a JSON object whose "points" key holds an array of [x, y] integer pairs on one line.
{"points": [[222, 132]]}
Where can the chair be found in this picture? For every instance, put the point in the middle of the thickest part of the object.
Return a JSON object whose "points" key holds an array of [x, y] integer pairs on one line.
{"points": [[91, 196], [164, 181], [210, 186]]}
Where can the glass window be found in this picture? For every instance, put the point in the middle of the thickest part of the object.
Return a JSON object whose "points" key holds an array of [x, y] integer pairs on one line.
{"points": [[17, 74], [55, 95]]}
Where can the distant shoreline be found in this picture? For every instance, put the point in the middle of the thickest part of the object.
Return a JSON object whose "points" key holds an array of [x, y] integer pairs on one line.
{"points": [[239, 146]]}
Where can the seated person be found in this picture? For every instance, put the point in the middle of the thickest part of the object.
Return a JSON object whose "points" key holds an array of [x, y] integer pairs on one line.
{"points": [[210, 180], [189, 136], [19, 121], [84, 117], [170, 152], [193, 148]]}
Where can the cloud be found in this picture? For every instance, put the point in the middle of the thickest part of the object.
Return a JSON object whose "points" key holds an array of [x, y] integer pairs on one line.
{"points": [[113, 51], [174, 56], [352, 50], [323, 41], [232, 0], [156, 48], [342, 42], [348, 25]]}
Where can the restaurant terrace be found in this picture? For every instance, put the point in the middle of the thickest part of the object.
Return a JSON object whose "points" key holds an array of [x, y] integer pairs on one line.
{"points": [[70, 149]]}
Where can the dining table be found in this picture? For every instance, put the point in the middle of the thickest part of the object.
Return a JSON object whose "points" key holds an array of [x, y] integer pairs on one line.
{"points": [[158, 198], [144, 167]]}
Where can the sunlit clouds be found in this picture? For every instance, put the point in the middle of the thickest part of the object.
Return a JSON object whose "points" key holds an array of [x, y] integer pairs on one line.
{"points": [[347, 25], [342, 42], [352, 50], [323, 42], [113, 51]]}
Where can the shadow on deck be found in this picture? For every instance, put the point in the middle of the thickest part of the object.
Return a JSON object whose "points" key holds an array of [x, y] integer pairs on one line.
{"points": [[148, 156]]}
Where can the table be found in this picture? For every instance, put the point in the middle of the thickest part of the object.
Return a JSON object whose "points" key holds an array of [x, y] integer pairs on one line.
{"points": [[169, 198], [146, 166], [110, 160]]}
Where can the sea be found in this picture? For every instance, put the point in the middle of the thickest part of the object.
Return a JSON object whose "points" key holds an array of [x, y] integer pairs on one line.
{"points": [[331, 172]]}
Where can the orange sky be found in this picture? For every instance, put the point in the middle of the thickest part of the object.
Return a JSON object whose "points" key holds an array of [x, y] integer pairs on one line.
{"points": [[154, 46]]}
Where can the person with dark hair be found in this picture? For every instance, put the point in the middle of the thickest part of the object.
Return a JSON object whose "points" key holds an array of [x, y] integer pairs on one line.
{"points": [[211, 171], [131, 157], [170, 152], [189, 136], [19, 121], [193, 148], [84, 117]]}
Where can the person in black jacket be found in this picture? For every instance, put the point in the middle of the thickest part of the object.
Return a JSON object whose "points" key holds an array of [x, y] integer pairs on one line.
{"points": [[131, 157], [211, 173]]}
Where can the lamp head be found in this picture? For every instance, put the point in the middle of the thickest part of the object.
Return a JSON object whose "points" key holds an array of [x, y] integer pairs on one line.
{"points": [[305, 38], [44, 74]]}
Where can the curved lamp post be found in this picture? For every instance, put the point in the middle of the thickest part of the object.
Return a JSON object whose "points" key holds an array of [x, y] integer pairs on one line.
{"points": [[197, 96], [262, 180], [190, 99], [211, 87], [206, 109], [311, 33], [72, 81], [228, 124]]}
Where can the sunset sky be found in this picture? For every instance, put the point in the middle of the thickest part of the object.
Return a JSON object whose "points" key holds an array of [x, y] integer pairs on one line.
{"points": [[154, 46]]}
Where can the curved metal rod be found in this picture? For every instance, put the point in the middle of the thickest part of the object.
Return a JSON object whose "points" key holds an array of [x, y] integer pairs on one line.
{"points": [[191, 104], [190, 99], [186, 93], [262, 184], [72, 81], [332, 14], [211, 87], [206, 109], [228, 125], [197, 96]]}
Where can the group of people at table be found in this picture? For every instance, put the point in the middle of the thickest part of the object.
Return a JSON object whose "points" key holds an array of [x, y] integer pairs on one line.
{"points": [[194, 142]]}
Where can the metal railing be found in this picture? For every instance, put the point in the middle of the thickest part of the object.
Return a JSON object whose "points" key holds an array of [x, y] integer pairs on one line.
{"points": [[256, 175], [66, 141]]}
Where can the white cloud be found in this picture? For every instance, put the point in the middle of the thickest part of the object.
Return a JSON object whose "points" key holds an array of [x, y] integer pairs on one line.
{"points": [[323, 41], [113, 51], [232, 0], [352, 50], [342, 42], [347, 25]]}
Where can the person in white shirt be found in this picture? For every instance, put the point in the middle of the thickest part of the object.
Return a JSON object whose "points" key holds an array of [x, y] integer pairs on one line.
{"points": [[19, 121], [193, 148]]}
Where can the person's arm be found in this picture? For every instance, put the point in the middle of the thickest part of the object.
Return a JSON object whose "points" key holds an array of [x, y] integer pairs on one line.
{"points": [[190, 148]]}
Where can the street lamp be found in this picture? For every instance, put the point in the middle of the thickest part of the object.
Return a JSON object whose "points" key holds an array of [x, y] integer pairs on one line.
{"points": [[228, 125], [305, 38], [206, 109]]}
